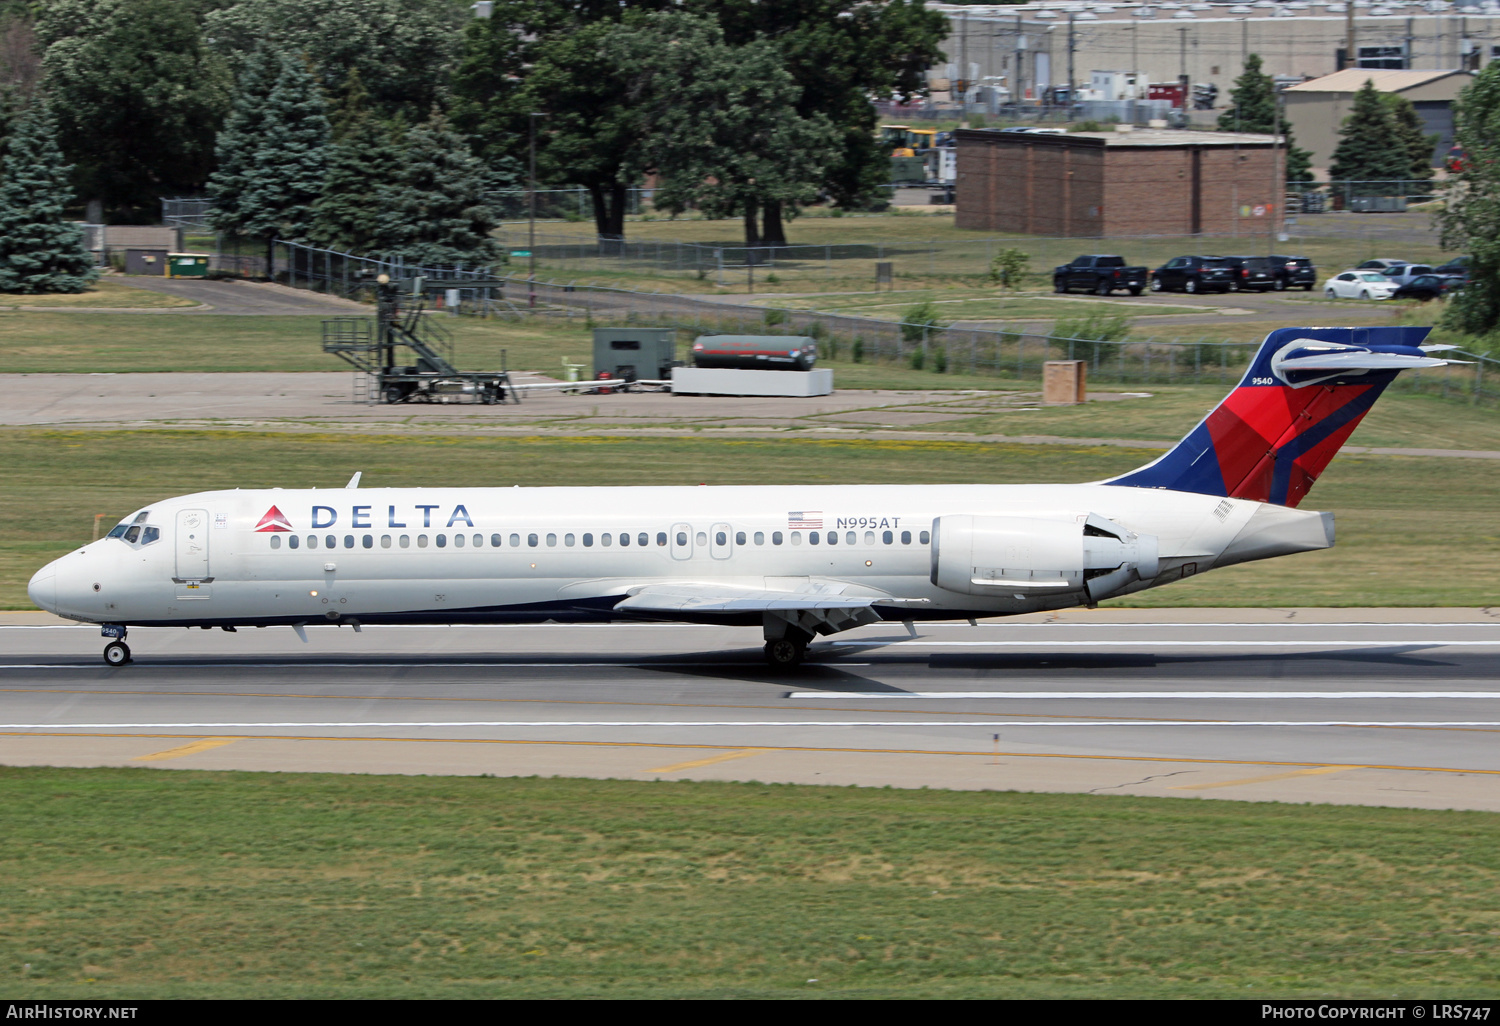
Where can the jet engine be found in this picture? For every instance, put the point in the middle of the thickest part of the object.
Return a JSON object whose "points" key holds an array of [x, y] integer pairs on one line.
{"points": [[1024, 555]]}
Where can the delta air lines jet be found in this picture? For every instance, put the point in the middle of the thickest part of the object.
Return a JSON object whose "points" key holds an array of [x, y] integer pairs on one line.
{"points": [[795, 560]]}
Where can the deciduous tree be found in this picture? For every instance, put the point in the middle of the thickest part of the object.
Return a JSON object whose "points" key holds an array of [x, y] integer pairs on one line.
{"points": [[1470, 220]]}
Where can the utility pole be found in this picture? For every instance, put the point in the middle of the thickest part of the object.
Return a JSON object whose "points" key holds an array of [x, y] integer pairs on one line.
{"points": [[531, 204], [1278, 184], [1019, 93], [1351, 60], [1183, 82], [1410, 43], [1072, 85]]}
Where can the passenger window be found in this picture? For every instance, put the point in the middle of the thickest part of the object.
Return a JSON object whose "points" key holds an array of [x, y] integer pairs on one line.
{"points": [[291, 541], [551, 541], [312, 541], [925, 538], [760, 537], [812, 537], [348, 541], [515, 541], [150, 535], [588, 541], [604, 539], [421, 541], [739, 537], [385, 541], [132, 534], [849, 538], [644, 539], [681, 537], [368, 541], [869, 537], [275, 541], [833, 537], [330, 542], [531, 540], [887, 537], [624, 538], [458, 541], [796, 537], [721, 538], [905, 537], [702, 538], [494, 541], [404, 541], [775, 537], [478, 541], [661, 538], [442, 541], [568, 540]]}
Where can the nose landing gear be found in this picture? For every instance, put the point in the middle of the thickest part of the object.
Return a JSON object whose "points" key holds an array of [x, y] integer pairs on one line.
{"points": [[116, 652]]}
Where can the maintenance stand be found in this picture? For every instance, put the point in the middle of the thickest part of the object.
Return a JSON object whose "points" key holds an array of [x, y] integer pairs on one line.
{"points": [[379, 349]]}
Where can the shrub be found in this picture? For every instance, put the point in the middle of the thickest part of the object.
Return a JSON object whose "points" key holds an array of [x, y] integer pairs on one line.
{"points": [[1009, 268], [1091, 330], [1086, 126], [773, 317], [857, 350], [921, 321]]}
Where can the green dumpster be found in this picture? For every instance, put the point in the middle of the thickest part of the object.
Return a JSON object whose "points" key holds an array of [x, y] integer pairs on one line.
{"points": [[187, 265]]}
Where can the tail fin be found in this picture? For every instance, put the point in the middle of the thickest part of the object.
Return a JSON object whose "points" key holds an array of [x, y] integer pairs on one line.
{"points": [[1304, 394]]}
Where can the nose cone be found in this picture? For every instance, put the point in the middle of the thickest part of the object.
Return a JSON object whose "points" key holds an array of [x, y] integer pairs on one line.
{"points": [[43, 588]]}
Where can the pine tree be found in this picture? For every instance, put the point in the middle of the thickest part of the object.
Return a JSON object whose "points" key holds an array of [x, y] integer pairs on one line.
{"points": [[1369, 149], [290, 162], [40, 251], [1410, 130], [364, 169], [239, 141], [1253, 108], [437, 216]]}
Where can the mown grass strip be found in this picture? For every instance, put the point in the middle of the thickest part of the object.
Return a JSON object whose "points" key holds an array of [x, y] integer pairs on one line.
{"points": [[144, 883]]}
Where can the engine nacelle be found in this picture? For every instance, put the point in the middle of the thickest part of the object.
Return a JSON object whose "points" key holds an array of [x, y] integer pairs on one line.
{"points": [[1024, 555]]}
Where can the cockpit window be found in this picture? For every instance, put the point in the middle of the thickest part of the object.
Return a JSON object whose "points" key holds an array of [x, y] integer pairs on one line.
{"points": [[149, 535], [133, 534], [140, 518], [118, 532]]}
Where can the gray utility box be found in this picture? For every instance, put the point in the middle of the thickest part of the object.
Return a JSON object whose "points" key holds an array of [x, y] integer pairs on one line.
{"points": [[723, 381], [635, 354], [145, 261]]}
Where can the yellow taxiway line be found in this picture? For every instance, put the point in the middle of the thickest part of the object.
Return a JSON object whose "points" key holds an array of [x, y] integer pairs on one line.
{"points": [[1313, 772], [201, 745]]}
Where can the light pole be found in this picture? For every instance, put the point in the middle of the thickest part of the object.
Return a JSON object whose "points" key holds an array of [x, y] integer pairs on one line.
{"points": [[531, 204]]}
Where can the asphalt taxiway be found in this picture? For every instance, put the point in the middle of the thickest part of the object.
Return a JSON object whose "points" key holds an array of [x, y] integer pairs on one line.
{"points": [[1382, 707]]}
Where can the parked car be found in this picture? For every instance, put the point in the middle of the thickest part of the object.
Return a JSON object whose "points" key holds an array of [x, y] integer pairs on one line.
{"points": [[1458, 265], [1357, 284], [1295, 271], [1193, 274], [1250, 273], [1100, 274], [1402, 274], [1380, 264], [1429, 286]]}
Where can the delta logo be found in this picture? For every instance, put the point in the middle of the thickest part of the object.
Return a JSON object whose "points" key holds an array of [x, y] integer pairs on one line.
{"points": [[274, 520]]}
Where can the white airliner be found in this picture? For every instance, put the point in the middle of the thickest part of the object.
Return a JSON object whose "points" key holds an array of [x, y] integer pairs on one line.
{"points": [[795, 560]]}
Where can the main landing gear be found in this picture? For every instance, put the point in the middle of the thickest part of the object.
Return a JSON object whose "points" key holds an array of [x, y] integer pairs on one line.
{"points": [[116, 652], [789, 650]]}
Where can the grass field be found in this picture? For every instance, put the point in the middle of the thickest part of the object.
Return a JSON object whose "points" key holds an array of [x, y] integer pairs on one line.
{"points": [[104, 293], [1411, 531], [179, 884]]}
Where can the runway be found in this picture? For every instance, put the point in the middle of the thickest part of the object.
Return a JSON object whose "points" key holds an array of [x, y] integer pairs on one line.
{"points": [[1386, 707]]}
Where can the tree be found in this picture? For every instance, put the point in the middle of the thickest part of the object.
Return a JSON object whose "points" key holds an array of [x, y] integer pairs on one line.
{"points": [[1370, 148], [138, 98], [1409, 130], [720, 122], [364, 167], [40, 251], [1254, 108], [238, 144], [436, 214], [841, 53], [402, 49], [1470, 220], [283, 176]]}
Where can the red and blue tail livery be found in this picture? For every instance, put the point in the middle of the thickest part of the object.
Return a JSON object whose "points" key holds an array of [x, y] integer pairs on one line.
{"points": [[1304, 394]]}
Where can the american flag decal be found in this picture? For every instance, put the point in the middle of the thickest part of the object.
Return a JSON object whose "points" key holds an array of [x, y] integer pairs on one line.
{"points": [[804, 519]]}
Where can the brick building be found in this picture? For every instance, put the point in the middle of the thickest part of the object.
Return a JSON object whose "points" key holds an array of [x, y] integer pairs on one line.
{"points": [[1097, 184]]}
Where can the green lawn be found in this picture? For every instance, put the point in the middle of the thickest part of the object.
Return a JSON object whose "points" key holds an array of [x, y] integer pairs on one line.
{"points": [[179, 884], [1412, 531], [104, 293]]}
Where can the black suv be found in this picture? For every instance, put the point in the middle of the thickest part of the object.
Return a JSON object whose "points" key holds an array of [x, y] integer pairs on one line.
{"points": [[1251, 273], [1192, 274], [1295, 272]]}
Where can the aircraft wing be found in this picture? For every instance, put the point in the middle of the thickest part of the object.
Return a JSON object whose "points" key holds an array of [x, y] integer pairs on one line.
{"points": [[739, 598]]}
